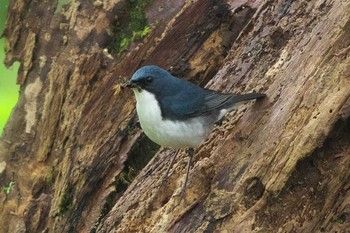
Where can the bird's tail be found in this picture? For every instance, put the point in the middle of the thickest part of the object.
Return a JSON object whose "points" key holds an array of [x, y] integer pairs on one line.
{"points": [[237, 100], [246, 97]]}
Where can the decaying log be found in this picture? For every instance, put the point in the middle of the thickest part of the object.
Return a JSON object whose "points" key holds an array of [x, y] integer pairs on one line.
{"points": [[79, 162]]}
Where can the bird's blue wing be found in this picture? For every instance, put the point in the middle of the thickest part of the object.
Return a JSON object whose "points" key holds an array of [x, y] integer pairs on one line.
{"points": [[192, 103], [200, 102]]}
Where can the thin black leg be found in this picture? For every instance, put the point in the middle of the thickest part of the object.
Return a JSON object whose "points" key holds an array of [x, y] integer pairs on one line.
{"points": [[171, 164], [190, 152]]}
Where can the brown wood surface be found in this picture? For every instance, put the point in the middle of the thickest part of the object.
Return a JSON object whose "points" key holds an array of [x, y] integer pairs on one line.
{"points": [[76, 154]]}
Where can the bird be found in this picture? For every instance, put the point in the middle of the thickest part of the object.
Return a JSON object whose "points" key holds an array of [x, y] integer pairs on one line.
{"points": [[176, 113]]}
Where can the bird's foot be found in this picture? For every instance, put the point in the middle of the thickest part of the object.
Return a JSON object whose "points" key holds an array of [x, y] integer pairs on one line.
{"points": [[182, 196]]}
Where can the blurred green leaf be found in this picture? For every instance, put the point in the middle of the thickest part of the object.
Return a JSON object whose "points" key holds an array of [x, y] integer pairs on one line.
{"points": [[8, 87]]}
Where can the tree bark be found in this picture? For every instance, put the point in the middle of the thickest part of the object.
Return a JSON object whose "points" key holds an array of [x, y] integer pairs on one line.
{"points": [[79, 162]]}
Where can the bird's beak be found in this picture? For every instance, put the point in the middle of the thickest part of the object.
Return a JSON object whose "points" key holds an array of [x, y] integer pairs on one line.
{"points": [[133, 85], [130, 84]]}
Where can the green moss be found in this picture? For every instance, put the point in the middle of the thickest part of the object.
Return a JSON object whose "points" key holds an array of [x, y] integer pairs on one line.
{"points": [[7, 189], [125, 178], [343, 218], [49, 177], [66, 200], [60, 4], [134, 26]]}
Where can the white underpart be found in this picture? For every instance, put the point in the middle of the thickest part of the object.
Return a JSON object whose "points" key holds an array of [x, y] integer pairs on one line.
{"points": [[168, 133]]}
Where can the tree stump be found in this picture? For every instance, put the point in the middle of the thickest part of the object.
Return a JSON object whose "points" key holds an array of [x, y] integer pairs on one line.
{"points": [[74, 159]]}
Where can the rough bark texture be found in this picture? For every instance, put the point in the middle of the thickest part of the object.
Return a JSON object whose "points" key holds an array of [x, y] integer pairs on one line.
{"points": [[72, 146]]}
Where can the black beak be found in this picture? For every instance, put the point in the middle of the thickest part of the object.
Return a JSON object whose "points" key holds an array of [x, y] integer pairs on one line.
{"points": [[131, 84]]}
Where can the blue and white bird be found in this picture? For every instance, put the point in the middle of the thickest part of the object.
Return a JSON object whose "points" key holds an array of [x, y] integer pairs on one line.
{"points": [[176, 113]]}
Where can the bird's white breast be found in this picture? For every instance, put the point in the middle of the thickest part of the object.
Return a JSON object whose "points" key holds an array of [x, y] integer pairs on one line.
{"points": [[168, 133]]}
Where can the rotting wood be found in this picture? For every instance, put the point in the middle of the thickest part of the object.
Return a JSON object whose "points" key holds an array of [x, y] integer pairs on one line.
{"points": [[269, 167]]}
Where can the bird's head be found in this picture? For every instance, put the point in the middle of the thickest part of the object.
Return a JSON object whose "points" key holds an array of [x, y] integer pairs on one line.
{"points": [[154, 80]]}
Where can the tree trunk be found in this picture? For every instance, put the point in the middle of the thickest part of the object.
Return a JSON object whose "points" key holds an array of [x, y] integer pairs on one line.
{"points": [[74, 159]]}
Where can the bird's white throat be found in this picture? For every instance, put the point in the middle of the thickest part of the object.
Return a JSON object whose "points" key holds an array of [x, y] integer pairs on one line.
{"points": [[168, 133]]}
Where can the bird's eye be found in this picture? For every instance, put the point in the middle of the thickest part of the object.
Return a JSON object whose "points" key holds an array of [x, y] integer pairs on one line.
{"points": [[149, 79]]}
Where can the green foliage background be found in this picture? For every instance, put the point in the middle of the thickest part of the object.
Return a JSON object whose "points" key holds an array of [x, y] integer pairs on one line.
{"points": [[8, 87]]}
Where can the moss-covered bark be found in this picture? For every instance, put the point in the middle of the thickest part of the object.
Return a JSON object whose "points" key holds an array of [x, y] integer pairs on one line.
{"points": [[277, 165]]}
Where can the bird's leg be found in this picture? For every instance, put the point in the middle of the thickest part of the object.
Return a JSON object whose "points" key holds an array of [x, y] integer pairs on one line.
{"points": [[165, 177], [171, 164], [190, 152]]}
